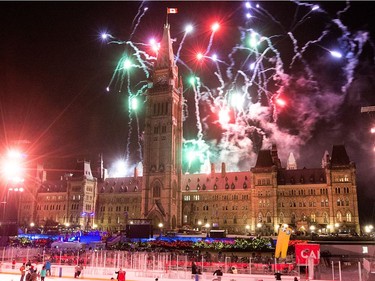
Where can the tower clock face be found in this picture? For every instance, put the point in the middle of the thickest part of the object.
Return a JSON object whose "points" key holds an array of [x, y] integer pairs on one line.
{"points": [[162, 79]]}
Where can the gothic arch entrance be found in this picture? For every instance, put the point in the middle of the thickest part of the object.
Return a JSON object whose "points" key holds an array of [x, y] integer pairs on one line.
{"points": [[156, 218]]}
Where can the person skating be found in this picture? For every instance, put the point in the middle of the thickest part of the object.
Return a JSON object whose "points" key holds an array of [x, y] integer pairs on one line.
{"points": [[43, 273], [48, 267], [218, 273], [77, 271], [278, 275], [194, 271], [23, 271], [121, 274]]}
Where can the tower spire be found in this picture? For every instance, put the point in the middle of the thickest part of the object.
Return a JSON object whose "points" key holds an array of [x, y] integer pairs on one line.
{"points": [[165, 57]]}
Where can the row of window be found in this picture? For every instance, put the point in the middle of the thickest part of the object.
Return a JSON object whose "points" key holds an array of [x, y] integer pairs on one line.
{"points": [[102, 209], [215, 186], [216, 179], [345, 190], [216, 197], [161, 108], [292, 204], [224, 208], [117, 220], [50, 207], [264, 181], [341, 178], [54, 197], [266, 193], [323, 203], [58, 207]]}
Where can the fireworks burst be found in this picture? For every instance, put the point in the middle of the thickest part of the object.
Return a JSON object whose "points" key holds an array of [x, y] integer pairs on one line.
{"points": [[272, 86]]}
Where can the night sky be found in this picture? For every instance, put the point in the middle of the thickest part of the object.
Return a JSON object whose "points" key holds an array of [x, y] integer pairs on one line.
{"points": [[55, 70]]}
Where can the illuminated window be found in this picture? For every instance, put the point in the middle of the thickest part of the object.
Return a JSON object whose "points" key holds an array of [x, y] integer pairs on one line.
{"points": [[348, 217], [338, 217], [313, 217]]}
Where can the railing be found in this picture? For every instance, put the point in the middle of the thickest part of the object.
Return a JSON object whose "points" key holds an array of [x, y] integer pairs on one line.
{"points": [[177, 265]]}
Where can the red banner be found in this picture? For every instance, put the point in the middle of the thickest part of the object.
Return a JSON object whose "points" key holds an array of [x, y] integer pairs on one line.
{"points": [[306, 253]]}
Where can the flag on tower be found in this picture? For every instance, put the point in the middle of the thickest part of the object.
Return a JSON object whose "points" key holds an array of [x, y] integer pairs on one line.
{"points": [[172, 11]]}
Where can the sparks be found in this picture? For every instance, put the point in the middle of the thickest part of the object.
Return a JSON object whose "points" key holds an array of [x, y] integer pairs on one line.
{"points": [[215, 27]]}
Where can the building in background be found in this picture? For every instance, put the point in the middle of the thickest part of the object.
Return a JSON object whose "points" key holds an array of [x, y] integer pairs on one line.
{"points": [[258, 200]]}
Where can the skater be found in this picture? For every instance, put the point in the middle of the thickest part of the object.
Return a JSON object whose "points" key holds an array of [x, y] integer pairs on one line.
{"points": [[43, 273], [121, 274], [77, 271], [278, 275], [48, 267], [23, 271], [194, 271], [218, 273]]}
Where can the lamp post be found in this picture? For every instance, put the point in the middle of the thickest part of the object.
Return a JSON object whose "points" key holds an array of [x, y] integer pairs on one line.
{"points": [[312, 230], [12, 171], [6, 199], [207, 226], [160, 228], [337, 228], [247, 229], [329, 229], [368, 229], [199, 225]]}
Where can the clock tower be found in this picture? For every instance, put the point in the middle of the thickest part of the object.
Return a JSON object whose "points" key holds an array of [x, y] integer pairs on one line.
{"points": [[161, 190]]}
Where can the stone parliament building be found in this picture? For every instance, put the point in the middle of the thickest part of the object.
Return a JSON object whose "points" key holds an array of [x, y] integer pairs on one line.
{"points": [[258, 200]]}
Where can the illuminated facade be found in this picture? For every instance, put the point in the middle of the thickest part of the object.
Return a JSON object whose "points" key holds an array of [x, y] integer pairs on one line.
{"points": [[255, 201]]}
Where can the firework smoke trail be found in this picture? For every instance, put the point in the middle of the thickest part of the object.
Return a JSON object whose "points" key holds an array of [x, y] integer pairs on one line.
{"points": [[268, 73], [305, 47], [135, 17], [353, 41], [210, 43], [272, 75], [139, 20], [197, 110], [139, 143], [177, 57]]}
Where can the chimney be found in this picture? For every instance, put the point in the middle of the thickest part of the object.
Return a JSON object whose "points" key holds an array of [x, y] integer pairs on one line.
{"points": [[135, 173], [41, 173], [100, 167], [223, 172], [212, 170]]}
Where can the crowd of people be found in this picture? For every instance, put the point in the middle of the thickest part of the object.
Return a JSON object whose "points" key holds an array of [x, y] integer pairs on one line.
{"points": [[30, 272]]}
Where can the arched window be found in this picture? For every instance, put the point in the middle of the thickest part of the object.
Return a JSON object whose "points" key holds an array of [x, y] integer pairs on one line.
{"points": [[348, 216], [269, 219], [338, 217], [313, 217], [293, 219], [260, 217]]}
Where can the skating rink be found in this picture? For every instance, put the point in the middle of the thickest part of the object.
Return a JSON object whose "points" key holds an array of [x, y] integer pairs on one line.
{"points": [[16, 277]]}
